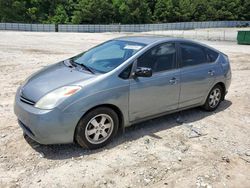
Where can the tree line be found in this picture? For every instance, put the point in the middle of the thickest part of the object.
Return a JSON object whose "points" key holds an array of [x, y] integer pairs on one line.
{"points": [[122, 11]]}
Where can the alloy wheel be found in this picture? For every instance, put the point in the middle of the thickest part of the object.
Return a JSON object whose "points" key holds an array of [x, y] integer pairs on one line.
{"points": [[214, 98], [99, 129]]}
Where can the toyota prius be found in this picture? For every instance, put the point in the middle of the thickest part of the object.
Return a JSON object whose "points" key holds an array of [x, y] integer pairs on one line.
{"points": [[92, 96]]}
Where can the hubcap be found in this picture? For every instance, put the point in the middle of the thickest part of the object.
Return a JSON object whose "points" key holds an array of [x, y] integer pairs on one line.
{"points": [[214, 98], [99, 129]]}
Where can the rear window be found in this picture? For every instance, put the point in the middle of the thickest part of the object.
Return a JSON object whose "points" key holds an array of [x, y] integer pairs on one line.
{"points": [[212, 55]]}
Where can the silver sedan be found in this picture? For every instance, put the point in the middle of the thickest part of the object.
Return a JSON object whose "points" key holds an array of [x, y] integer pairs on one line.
{"points": [[89, 98]]}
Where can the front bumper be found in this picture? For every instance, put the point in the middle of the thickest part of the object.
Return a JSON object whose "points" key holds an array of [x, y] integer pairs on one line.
{"points": [[46, 126]]}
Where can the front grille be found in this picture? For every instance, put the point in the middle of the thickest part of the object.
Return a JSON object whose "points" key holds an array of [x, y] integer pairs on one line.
{"points": [[27, 101]]}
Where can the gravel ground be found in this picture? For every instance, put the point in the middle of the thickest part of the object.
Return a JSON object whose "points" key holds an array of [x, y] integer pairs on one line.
{"points": [[192, 148]]}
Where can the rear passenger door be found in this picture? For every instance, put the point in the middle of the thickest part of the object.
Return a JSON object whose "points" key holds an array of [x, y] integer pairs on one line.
{"points": [[197, 74]]}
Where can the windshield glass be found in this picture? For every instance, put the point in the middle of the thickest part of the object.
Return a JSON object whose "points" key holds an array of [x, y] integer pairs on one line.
{"points": [[108, 56]]}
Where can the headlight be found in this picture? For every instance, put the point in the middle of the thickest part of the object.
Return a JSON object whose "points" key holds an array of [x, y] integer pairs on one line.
{"points": [[54, 98]]}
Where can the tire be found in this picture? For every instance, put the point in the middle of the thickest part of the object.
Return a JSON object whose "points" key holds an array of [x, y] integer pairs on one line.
{"points": [[214, 98], [97, 128]]}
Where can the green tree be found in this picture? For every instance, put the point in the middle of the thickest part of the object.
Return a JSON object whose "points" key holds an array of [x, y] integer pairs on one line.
{"points": [[226, 10], [122, 11], [132, 11], [12, 11], [60, 15], [245, 10], [151, 5], [93, 11], [186, 10], [163, 11], [202, 11]]}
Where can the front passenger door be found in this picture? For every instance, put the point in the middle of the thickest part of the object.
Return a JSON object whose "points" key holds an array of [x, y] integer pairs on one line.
{"points": [[160, 93]]}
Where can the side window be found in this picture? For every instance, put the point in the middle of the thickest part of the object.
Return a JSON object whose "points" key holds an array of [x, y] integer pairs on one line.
{"points": [[126, 72], [159, 58], [212, 55], [192, 55]]}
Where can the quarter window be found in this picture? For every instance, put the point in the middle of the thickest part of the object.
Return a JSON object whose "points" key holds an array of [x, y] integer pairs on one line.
{"points": [[159, 58], [192, 55], [126, 72], [212, 55]]}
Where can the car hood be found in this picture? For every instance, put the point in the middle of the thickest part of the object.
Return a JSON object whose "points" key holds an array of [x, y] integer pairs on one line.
{"points": [[51, 78]]}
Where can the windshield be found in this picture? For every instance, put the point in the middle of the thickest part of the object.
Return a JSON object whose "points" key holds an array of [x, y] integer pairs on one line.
{"points": [[108, 56]]}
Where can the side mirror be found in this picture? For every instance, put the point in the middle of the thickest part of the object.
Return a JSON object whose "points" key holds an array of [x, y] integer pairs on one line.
{"points": [[143, 72]]}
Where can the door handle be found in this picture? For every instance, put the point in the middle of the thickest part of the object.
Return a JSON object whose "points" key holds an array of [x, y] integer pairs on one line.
{"points": [[173, 81], [211, 72]]}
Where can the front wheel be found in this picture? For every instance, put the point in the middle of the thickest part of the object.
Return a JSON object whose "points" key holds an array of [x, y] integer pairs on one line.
{"points": [[97, 128], [214, 98]]}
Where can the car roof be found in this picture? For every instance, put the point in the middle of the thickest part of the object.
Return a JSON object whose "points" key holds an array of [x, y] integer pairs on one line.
{"points": [[146, 40], [142, 39], [150, 39]]}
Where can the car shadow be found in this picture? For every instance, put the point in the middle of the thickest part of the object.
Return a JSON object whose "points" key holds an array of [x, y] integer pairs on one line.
{"points": [[134, 132]]}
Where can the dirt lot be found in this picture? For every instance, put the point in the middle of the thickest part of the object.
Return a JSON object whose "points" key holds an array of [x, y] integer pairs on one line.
{"points": [[206, 150]]}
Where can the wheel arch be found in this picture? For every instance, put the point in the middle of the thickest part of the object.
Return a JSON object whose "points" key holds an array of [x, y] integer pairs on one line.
{"points": [[223, 89], [111, 106]]}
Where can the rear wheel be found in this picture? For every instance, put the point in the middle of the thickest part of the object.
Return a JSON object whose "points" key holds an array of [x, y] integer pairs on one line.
{"points": [[214, 98], [97, 128]]}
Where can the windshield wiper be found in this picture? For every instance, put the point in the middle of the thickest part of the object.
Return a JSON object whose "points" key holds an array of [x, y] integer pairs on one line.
{"points": [[82, 65], [87, 68], [69, 63]]}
